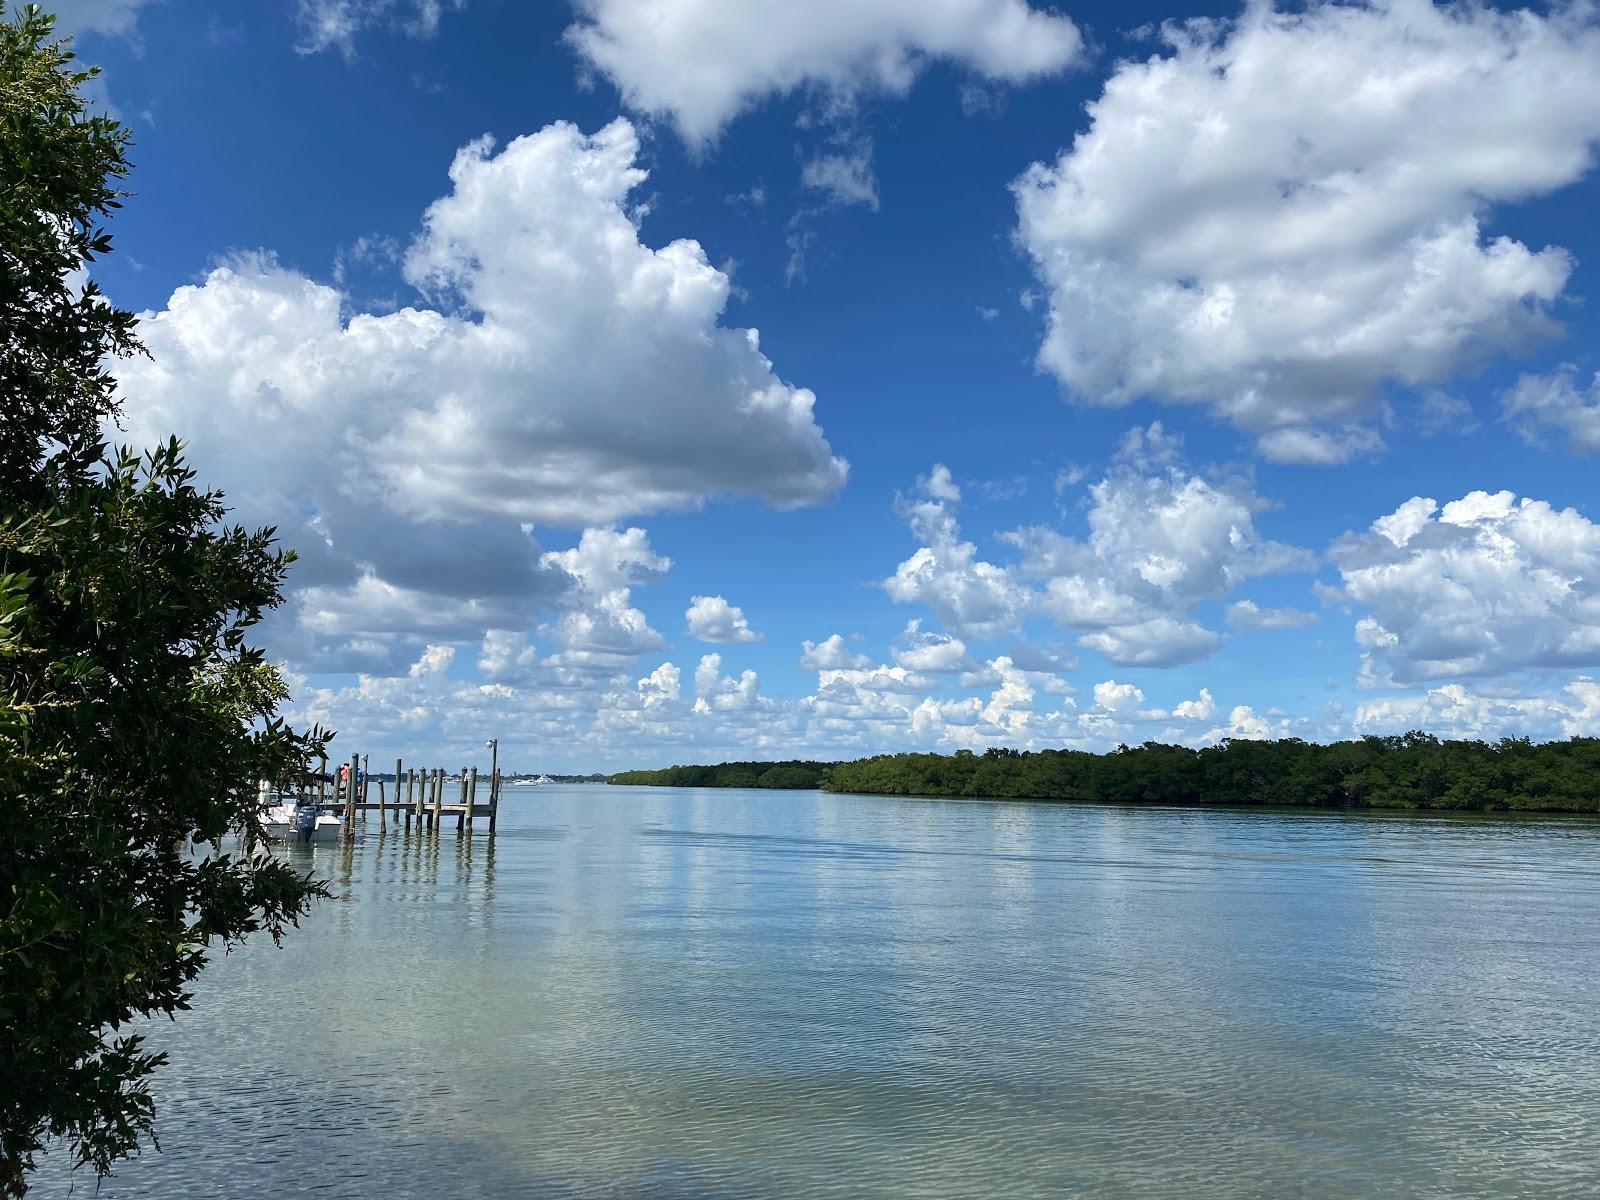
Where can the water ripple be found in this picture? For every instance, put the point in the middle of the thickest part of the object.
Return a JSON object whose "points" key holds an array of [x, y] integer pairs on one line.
{"points": [[649, 995]]}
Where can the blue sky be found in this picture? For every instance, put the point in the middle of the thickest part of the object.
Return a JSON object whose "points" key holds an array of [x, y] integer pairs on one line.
{"points": [[1120, 348]]}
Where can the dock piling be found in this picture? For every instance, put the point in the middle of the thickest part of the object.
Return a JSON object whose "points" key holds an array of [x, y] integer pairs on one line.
{"points": [[350, 795], [417, 796]]}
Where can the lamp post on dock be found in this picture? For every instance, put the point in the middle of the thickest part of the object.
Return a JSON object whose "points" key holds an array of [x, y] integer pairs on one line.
{"points": [[494, 784]]}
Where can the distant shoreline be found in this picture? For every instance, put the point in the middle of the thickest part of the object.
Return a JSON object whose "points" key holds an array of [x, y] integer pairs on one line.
{"points": [[1413, 772]]}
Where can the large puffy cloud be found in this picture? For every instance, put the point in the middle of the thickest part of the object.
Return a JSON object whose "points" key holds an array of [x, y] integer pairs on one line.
{"points": [[701, 62], [1556, 403], [1485, 585], [1286, 211], [575, 376]]}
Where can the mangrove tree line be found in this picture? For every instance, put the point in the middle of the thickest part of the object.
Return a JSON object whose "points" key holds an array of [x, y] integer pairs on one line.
{"points": [[1412, 771]]}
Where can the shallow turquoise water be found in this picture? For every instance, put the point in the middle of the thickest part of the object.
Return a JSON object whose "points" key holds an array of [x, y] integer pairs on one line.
{"points": [[662, 994]]}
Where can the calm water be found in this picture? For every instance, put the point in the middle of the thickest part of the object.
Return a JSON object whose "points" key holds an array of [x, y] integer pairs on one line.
{"points": [[669, 994]]}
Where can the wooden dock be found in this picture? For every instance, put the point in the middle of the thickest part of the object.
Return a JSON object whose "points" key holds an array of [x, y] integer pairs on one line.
{"points": [[427, 796]]}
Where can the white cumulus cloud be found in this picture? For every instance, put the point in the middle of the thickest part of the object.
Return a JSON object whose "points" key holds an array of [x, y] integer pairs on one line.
{"points": [[661, 686], [602, 630], [1454, 710], [931, 653], [975, 597], [1283, 212], [702, 62], [831, 654], [1485, 585], [1160, 540], [571, 376], [713, 619], [1556, 403]]}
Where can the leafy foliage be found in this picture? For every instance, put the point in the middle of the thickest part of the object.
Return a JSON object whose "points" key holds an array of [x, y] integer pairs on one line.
{"points": [[59, 168], [134, 719], [1413, 771], [798, 775]]}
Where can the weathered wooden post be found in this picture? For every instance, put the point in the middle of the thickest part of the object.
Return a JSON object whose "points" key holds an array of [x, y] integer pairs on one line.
{"points": [[472, 798], [411, 788], [322, 783], [350, 795], [494, 781], [438, 798], [397, 765]]}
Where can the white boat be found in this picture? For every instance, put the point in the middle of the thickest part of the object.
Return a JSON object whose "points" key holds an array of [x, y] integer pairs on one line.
{"points": [[281, 824], [543, 779], [279, 819]]}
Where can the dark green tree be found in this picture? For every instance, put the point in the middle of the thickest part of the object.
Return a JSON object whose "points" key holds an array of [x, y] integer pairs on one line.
{"points": [[134, 718]]}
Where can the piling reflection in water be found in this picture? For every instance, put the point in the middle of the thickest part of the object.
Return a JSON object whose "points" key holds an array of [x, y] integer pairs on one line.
{"points": [[642, 993]]}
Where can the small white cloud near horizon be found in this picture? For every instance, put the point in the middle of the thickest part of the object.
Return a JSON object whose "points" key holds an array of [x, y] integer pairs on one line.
{"points": [[831, 654], [931, 653], [713, 619]]}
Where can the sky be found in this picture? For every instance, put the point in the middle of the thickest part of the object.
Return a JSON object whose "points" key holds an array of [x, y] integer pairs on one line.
{"points": [[657, 381]]}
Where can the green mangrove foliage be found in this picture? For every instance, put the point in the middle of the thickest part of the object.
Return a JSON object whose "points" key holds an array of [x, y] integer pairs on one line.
{"points": [[1415, 771], [797, 775], [134, 716]]}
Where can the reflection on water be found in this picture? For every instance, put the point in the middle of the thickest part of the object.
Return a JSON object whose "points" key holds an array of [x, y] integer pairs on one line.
{"points": [[667, 994]]}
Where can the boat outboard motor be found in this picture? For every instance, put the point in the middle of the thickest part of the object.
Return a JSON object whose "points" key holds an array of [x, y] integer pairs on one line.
{"points": [[305, 822]]}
